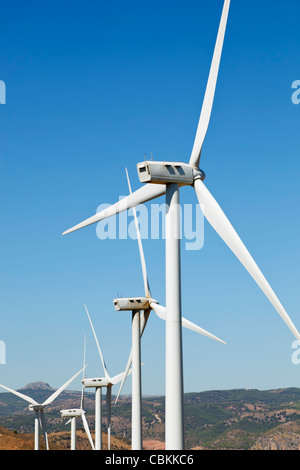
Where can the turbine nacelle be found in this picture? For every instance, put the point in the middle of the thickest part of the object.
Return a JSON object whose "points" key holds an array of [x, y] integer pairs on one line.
{"points": [[168, 172], [36, 407], [96, 382], [75, 413], [133, 303]]}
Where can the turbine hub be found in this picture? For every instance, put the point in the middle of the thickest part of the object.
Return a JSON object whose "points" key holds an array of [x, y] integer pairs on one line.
{"points": [[199, 174]]}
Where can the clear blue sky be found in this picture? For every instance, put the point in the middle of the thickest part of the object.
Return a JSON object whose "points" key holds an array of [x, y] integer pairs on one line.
{"points": [[91, 87]]}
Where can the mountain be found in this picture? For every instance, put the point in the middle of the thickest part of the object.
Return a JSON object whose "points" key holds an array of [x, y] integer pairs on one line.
{"points": [[228, 419], [37, 386]]}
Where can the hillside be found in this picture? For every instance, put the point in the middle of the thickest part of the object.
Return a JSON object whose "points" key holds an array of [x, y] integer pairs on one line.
{"points": [[233, 419], [58, 441], [12, 441]]}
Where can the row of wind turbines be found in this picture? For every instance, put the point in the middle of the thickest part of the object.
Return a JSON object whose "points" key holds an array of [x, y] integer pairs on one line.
{"points": [[139, 321], [74, 413], [167, 178], [98, 383]]}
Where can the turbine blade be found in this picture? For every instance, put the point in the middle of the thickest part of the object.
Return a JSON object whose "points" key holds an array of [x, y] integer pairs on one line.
{"points": [[141, 250], [108, 405], [61, 389], [20, 395], [84, 356], [144, 194], [117, 378], [210, 90], [197, 329], [144, 316], [98, 345], [84, 365], [87, 429], [161, 312], [82, 398], [218, 220], [43, 426], [144, 319], [68, 422], [125, 375]]}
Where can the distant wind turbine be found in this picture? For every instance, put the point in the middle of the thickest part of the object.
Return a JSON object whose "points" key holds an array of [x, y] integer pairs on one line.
{"points": [[75, 413], [38, 408], [98, 383]]}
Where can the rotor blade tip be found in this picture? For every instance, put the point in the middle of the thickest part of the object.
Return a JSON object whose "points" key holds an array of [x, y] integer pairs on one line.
{"points": [[66, 232]]}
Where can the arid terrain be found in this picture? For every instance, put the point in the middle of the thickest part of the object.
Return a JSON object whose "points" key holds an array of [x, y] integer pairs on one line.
{"points": [[233, 419], [57, 441]]}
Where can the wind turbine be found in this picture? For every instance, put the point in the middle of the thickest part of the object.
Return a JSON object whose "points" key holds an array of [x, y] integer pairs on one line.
{"points": [[141, 308], [75, 413], [166, 178], [98, 383], [38, 409]]}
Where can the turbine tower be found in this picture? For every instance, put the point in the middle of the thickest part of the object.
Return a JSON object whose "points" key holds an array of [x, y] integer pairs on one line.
{"points": [[166, 178], [38, 408]]}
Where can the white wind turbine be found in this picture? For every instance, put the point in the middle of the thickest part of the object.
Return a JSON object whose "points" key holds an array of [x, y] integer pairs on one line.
{"points": [[98, 383], [38, 408], [166, 178], [141, 308], [75, 413]]}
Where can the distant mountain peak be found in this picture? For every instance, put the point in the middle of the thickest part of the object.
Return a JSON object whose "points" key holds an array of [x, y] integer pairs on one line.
{"points": [[37, 386]]}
